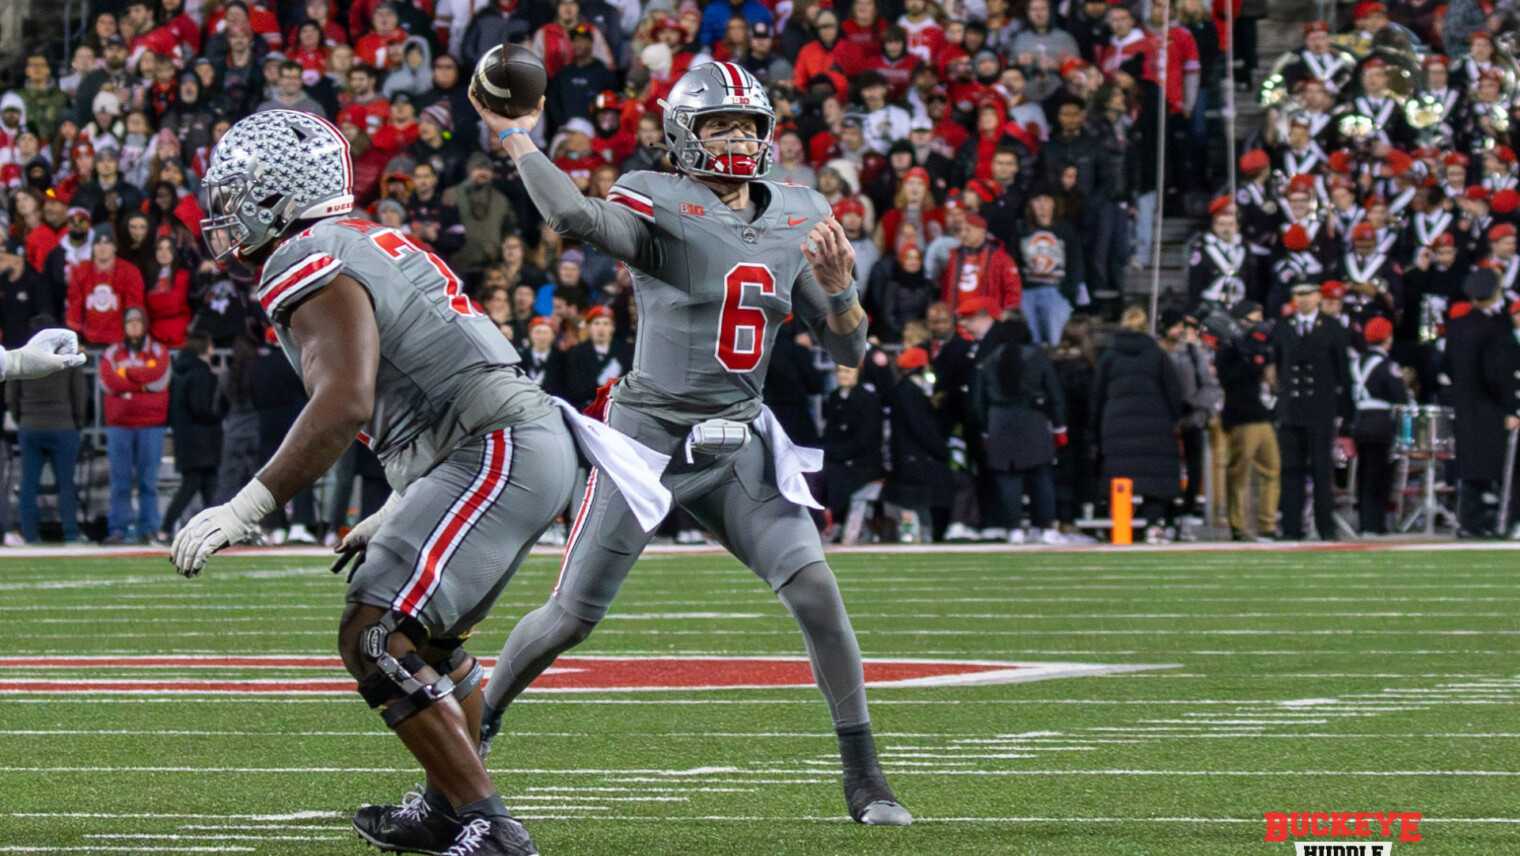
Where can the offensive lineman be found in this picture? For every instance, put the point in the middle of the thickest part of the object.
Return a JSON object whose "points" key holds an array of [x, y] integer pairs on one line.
{"points": [[715, 257], [390, 349]]}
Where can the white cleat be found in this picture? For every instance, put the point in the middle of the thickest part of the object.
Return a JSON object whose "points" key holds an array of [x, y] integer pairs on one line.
{"points": [[994, 533], [1017, 536], [1052, 537], [299, 534], [885, 813]]}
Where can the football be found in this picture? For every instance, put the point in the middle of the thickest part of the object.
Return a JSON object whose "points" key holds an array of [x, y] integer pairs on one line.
{"points": [[509, 79]]}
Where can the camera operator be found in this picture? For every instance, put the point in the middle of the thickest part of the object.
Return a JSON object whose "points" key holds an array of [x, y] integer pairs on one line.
{"points": [[1244, 364]]}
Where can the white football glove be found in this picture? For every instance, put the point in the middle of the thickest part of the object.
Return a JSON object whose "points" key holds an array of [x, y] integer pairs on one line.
{"points": [[51, 350], [220, 525], [352, 547]]}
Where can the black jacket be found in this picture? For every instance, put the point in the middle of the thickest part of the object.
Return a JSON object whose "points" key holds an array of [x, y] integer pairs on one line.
{"points": [[583, 366], [1313, 377], [790, 384], [548, 373], [852, 431], [195, 414], [1017, 424], [1241, 366], [1478, 356], [1137, 401], [27, 295], [920, 453], [1377, 386]]}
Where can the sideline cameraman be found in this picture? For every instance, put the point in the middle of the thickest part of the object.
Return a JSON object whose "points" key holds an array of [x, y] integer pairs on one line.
{"points": [[1244, 365]]}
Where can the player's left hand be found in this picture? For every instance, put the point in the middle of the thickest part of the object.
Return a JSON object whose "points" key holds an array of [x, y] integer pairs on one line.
{"points": [[353, 545], [834, 259], [50, 350], [218, 526]]}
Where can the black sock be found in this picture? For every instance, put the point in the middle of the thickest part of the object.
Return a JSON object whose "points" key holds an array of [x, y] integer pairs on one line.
{"points": [[490, 808], [437, 802], [864, 782]]}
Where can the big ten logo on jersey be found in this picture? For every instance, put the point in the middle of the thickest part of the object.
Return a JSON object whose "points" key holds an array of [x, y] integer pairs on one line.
{"points": [[400, 247], [744, 325], [693, 209]]}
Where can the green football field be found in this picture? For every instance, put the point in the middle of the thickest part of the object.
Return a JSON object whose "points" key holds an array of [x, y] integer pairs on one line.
{"points": [[1268, 680]]}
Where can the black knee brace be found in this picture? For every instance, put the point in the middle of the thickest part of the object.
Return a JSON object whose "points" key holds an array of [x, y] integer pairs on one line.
{"points": [[395, 685], [456, 658]]}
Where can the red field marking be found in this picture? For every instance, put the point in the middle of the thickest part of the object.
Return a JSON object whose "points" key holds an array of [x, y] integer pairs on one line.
{"points": [[570, 674]]}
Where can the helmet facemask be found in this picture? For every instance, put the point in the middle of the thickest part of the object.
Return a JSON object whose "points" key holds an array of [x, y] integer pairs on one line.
{"points": [[697, 156]]}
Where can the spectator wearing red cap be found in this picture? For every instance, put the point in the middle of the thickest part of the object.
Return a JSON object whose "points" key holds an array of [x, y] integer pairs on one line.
{"points": [[101, 291], [554, 40], [544, 363], [1378, 103], [1300, 154], [1300, 195], [981, 268], [1479, 58], [1332, 297], [1220, 271], [912, 205], [1377, 386], [897, 292], [1498, 168], [1294, 262], [134, 381], [1501, 258], [1374, 280], [596, 362], [1319, 60], [851, 214]]}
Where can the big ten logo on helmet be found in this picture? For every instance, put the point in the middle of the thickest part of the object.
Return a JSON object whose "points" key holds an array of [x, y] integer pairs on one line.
{"points": [[1341, 825]]}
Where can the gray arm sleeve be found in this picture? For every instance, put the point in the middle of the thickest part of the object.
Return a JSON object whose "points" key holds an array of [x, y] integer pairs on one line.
{"points": [[1190, 84], [618, 231], [810, 304]]}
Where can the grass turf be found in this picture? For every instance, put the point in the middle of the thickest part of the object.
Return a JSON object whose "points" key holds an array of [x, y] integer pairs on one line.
{"points": [[1306, 681]]}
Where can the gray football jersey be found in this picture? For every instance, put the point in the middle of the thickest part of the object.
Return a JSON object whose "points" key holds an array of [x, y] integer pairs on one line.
{"points": [[443, 378], [712, 291]]}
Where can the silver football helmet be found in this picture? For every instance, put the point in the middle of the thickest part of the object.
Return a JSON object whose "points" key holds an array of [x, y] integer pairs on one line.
{"points": [[718, 87], [271, 170]]}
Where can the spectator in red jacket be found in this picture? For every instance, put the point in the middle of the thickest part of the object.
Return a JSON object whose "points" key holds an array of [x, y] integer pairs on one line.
{"points": [[101, 290], [167, 297], [134, 381], [980, 267]]}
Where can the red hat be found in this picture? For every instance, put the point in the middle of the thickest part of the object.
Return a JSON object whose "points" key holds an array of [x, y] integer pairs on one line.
{"points": [[76, 211], [1375, 62], [1373, 201], [972, 306], [1332, 289], [976, 220], [1340, 161], [953, 199], [354, 114], [1456, 159], [1505, 201], [908, 247], [666, 23], [1254, 161], [994, 103], [1340, 182], [985, 188], [1503, 230], [1378, 330], [1399, 162], [1514, 308], [1364, 231], [1444, 239], [1296, 239], [1221, 205], [1479, 34], [1476, 192], [1436, 59], [1367, 7], [848, 205], [1071, 65], [1425, 153], [1504, 153], [1316, 27], [539, 320], [1301, 183], [1491, 263], [1306, 82], [598, 312], [1459, 309], [919, 173], [913, 358], [1491, 74]]}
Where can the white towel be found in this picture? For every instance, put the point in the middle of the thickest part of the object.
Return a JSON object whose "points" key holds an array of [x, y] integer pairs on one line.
{"points": [[632, 466], [792, 461]]}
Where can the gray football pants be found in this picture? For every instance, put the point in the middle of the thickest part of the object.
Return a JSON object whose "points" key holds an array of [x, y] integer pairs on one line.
{"points": [[733, 496]]}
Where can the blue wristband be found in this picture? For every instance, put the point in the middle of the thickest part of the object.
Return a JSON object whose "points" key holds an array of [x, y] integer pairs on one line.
{"points": [[508, 132]]}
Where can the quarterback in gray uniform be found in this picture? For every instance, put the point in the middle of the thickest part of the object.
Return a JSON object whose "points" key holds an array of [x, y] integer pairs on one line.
{"points": [[389, 349], [719, 258]]}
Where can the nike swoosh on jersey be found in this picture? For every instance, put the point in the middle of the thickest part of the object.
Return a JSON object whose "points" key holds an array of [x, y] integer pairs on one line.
{"points": [[792, 222]]}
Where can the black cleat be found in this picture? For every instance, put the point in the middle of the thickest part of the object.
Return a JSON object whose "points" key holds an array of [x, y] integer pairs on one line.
{"points": [[412, 827], [502, 836]]}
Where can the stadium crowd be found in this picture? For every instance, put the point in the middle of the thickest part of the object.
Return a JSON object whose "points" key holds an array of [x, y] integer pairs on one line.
{"points": [[992, 162]]}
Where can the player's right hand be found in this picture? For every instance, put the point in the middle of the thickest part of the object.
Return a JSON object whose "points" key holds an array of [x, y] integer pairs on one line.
{"points": [[50, 350], [218, 526], [498, 123]]}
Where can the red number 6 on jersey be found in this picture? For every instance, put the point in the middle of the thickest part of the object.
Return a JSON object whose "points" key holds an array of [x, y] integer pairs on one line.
{"points": [[397, 246], [742, 328]]}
